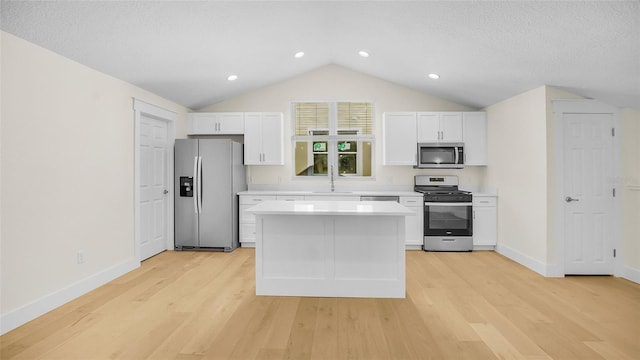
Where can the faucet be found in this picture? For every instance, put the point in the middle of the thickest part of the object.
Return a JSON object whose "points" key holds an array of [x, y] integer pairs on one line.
{"points": [[333, 186]]}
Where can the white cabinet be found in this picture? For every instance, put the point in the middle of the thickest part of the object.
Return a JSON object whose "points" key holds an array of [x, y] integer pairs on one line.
{"points": [[289, 197], [263, 136], [474, 130], [439, 127], [231, 123], [399, 141], [414, 225], [332, 197], [485, 217], [248, 220]]}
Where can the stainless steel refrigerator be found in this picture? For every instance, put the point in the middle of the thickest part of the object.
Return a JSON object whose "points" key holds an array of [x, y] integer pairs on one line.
{"points": [[209, 173]]}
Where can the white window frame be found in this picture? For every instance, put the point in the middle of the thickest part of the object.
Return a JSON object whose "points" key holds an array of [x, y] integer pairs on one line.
{"points": [[332, 140]]}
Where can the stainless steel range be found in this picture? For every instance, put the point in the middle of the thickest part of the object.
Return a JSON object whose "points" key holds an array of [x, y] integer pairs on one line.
{"points": [[448, 213]]}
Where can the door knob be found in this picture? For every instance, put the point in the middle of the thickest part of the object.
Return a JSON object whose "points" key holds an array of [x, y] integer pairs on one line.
{"points": [[165, 191], [570, 199]]}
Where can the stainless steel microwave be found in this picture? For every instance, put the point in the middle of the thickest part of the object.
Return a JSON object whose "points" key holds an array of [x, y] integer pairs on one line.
{"points": [[440, 156]]}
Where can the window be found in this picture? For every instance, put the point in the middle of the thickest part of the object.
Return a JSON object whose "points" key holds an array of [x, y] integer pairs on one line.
{"points": [[333, 134]]}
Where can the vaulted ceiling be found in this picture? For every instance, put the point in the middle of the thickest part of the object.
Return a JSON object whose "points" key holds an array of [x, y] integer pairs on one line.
{"points": [[484, 51]]}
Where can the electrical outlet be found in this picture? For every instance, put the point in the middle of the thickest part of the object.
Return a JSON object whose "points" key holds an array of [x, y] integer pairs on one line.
{"points": [[80, 256]]}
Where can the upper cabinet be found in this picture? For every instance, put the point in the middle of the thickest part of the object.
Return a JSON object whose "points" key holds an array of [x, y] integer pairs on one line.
{"points": [[474, 126], [401, 131], [439, 127], [399, 143], [227, 123], [263, 135]]}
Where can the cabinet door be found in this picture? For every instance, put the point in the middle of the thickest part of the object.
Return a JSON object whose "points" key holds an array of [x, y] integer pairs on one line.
{"points": [[272, 133], [215, 123], [451, 127], [263, 134], [428, 127], [248, 220], [231, 123], [252, 139], [440, 127], [474, 131], [399, 140], [414, 225], [201, 123], [485, 221]]}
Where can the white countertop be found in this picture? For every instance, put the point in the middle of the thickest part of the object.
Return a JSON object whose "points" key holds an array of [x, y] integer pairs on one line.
{"points": [[361, 208], [329, 193]]}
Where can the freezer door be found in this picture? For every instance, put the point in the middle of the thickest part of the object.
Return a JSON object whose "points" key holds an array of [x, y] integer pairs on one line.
{"points": [[216, 214], [185, 207]]}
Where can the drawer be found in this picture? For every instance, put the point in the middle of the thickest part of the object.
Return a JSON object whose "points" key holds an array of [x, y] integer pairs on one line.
{"points": [[480, 201], [255, 199], [332, 198], [412, 201], [290, 197]]}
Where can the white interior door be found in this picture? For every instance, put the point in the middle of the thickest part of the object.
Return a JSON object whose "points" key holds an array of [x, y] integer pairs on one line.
{"points": [[588, 193], [154, 149]]}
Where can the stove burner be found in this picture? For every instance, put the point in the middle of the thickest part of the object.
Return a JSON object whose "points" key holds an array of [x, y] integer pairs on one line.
{"points": [[443, 194]]}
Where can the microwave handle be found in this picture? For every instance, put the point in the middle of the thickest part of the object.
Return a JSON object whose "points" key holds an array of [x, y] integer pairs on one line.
{"points": [[457, 155]]}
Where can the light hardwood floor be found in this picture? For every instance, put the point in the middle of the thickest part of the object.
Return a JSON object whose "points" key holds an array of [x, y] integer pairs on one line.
{"points": [[480, 305]]}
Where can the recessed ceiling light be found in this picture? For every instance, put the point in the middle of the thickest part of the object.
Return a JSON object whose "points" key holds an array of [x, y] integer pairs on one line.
{"points": [[363, 53], [299, 54], [232, 77], [434, 76]]}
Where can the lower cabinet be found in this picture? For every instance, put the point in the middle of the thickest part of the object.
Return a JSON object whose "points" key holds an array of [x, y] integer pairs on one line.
{"points": [[414, 225], [248, 220], [485, 217]]}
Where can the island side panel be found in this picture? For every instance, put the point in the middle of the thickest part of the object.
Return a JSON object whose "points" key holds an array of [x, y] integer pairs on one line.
{"points": [[336, 256], [370, 256], [294, 255]]}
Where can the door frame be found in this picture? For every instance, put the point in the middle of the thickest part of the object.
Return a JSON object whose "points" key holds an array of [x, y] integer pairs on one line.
{"points": [[586, 106], [142, 108]]}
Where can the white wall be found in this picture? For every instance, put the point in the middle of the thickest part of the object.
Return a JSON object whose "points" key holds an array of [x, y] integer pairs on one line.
{"points": [[629, 183], [67, 177], [517, 149], [526, 182], [333, 82]]}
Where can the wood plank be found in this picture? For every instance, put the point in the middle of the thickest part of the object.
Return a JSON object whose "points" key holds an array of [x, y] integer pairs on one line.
{"points": [[199, 305]]}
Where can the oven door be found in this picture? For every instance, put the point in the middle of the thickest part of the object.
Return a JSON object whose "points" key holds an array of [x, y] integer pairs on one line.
{"points": [[448, 219]]}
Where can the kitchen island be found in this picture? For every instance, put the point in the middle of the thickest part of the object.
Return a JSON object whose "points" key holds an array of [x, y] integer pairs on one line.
{"points": [[330, 248]]}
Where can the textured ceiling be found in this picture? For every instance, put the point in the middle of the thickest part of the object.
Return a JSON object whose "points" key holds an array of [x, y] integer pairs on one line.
{"points": [[485, 52]]}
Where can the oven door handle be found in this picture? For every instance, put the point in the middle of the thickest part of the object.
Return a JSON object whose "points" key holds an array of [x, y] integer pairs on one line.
{"points": [[447, 204]]}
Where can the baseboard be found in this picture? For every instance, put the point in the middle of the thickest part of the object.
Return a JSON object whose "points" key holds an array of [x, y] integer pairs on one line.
{"points": [[524, 260], [631, 274], [484, 248], [26, 313]]}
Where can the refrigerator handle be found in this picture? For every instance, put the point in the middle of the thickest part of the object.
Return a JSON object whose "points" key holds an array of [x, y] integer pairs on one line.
{"points": [[199, 184], [195, 184]]}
